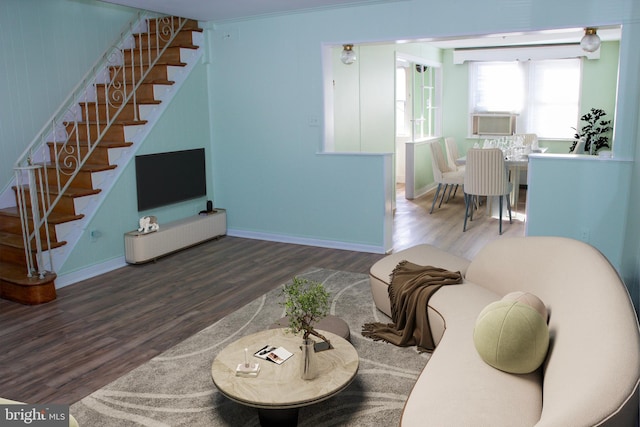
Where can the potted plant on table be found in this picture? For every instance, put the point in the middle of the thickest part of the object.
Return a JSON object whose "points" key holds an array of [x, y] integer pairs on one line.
{"points": [[306, 302], [594, 132]]}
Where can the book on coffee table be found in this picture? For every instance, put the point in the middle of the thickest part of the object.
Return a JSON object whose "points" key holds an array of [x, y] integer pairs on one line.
{"points": [[273, 354]]}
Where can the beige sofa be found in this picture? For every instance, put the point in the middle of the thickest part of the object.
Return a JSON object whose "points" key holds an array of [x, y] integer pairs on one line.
{"points": [[591, 373]]}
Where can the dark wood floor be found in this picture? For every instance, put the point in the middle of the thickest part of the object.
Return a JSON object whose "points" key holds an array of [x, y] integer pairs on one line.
{"points": [[100, 329]]}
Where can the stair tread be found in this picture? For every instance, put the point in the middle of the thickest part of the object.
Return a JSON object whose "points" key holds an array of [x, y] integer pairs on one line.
{"points": [[87, 167], [185, 46], [54, 218], [101, 144], [144, 102], [171, 46], [16, 241], [161, 61], [115, 122], [17, 274], [71, 191], [165, 82]]}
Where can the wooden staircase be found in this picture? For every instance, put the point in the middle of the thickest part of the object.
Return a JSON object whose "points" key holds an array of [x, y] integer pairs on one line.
{"points": [[15, 282]]}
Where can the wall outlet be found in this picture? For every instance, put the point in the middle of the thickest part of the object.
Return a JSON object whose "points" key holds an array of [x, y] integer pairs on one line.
{"points": [[314, 121], [584, 235], [95, 235]]}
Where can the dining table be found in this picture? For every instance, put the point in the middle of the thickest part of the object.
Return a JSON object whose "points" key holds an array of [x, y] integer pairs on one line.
{"points": [[516, 164]]}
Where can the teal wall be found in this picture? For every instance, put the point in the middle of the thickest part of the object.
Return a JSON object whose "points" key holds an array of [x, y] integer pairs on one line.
{"points": [[280, 136], [593, 216], [184, 125], [268, 173], [47, 47], [265, 91]]}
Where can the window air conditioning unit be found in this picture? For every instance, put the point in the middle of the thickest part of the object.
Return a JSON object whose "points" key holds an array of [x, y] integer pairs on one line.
{"points": [[497, 124]]}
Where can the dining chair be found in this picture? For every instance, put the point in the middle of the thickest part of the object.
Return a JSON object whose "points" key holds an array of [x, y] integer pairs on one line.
{"points": [[443, 175], [452, 153], [486, 175], [451, 149], [528, 138]]}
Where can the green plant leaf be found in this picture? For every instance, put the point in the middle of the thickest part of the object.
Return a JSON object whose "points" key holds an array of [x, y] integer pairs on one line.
{"points": [[305, 303], [595, 131]]}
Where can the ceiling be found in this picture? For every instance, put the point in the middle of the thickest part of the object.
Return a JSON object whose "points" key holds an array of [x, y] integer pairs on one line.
{"points": [[228, 10]]}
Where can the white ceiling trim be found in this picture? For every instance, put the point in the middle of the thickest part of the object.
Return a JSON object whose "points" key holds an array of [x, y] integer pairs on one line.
{"points": [[529, 53]]}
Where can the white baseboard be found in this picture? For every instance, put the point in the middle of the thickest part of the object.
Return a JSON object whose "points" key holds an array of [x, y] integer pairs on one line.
{"points": [[332, 244], [89, 272], [424, 190], [114, 264]]}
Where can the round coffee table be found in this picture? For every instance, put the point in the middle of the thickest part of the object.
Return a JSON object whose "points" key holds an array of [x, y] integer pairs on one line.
{"points": [[278, 391]]}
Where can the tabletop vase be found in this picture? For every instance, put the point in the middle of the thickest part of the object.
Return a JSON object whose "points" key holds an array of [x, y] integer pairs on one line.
{"points": [[308, 362]]}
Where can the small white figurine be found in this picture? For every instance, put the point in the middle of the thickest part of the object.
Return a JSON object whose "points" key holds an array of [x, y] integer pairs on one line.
{"points": [[148, 224]]}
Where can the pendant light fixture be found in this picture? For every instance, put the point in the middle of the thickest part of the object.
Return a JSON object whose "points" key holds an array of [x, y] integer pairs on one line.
{"points": [[348, 56], [590, 41]]}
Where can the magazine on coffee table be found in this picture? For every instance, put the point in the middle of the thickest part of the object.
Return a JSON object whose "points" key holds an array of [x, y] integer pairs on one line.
{"points": [[273, 354]]}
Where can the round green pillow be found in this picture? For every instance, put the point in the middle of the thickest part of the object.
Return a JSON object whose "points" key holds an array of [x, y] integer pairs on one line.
{"points": [[511, 336]]}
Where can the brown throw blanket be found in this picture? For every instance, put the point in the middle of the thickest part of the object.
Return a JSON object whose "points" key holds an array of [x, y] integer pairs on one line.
{"points": [[411, 287]]}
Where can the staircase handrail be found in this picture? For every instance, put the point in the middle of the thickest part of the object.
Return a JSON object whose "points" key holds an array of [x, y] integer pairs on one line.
{"points": [[64, 130], [73, 94]]}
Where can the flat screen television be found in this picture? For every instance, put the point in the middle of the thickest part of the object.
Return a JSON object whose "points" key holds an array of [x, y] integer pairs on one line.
{"points": [[166, 178]]}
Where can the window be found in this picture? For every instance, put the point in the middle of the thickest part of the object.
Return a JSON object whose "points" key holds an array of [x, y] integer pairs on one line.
{"points": [[417, 100], [544, 93], [403, 119], [425, 105]]}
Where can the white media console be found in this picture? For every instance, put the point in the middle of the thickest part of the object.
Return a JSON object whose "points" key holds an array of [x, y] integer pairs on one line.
{"points": [[171, 237]]}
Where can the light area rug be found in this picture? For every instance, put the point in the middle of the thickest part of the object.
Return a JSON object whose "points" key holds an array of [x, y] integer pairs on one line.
{"points": [[175, 388]]}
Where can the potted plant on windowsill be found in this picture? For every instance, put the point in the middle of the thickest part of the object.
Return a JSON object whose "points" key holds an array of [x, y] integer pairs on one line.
{"points": [[305, 303], [594, 132]]}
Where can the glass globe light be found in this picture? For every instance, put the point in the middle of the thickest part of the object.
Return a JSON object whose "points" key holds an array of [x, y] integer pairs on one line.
{"points": [[348, 56], [591, 41]]}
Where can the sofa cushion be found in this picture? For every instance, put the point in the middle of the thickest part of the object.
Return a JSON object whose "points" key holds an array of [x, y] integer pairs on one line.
{"points": [[379, 274], [456, 387], [511, 336]]}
